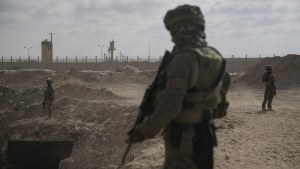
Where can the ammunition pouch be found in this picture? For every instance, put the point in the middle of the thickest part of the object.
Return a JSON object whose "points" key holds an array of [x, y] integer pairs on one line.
{"points": [[200, 96], [203, 99], [203, 129]]}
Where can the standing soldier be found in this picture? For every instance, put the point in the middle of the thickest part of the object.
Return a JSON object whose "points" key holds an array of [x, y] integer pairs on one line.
{"points": [[48, 97], [270, 89], [188, 95]]}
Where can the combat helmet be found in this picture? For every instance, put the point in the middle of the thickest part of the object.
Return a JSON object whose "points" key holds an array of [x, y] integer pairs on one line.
{"points": [[184, 14], [268, 68], [49, 81]]}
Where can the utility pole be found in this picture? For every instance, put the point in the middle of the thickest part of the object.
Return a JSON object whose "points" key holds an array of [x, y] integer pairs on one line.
{"points": [[28, 51], [51, 33]]}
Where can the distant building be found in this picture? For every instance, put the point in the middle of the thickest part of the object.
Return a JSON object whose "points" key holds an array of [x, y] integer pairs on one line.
{"points": [[47, 51]]}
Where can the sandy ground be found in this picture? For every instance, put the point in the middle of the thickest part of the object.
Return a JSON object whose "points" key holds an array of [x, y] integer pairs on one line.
{"points": [[102, 106], [247, 138]]}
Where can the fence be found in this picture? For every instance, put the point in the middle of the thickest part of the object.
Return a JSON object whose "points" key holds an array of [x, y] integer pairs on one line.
{"points": [[86, 63]]}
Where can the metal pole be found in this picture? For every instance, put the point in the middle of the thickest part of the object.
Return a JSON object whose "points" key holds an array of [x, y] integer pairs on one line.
{"points": [[232, 63], [246, 62]]}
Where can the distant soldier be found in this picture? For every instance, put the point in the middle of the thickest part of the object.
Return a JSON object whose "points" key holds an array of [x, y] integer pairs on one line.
{"points": [[48, 97], [4, 90], [270, 89]]}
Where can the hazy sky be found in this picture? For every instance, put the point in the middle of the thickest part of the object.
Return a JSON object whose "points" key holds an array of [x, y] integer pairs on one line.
{"points": [[236, 27]]}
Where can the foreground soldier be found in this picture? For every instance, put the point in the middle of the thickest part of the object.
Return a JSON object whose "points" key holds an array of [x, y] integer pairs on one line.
{"points": [[48, 98], [270, 88], [184, 106]]}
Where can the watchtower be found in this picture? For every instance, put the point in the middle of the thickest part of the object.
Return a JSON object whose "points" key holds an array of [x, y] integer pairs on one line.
{"points": [[47, 55], [111, 49]]}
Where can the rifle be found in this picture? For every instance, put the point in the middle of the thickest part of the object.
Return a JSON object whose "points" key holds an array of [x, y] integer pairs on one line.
{"points": [[147, 107]]}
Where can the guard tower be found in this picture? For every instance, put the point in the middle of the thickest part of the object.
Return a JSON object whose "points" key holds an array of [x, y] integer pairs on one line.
{"points": [[47, 55], [111, 49]]}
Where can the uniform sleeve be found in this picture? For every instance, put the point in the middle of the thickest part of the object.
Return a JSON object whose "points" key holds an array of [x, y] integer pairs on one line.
{"points": [[264, 78], [45, 95], [170, 104], [273, 83]]}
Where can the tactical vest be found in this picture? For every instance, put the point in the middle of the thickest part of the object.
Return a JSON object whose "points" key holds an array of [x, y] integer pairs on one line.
{"points": [[206, 93]]}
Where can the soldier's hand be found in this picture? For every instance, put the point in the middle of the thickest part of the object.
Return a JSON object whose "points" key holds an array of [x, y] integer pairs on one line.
{"points": [[274, 92], [135, 136]]}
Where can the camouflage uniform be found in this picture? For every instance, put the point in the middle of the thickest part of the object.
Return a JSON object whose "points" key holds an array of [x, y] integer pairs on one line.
{"points": [[48, 98], [270, 88], [192, 92]]}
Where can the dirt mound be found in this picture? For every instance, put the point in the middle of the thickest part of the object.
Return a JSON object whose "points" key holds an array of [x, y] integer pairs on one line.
{"points": [[127, 68], [24, 77], [93, 110], [286, 70], [83, 92], [125, 74]]}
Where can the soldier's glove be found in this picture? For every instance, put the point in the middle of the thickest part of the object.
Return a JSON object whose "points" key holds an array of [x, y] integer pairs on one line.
{"points": [[221, 110], [274, 92], [135, 135]]}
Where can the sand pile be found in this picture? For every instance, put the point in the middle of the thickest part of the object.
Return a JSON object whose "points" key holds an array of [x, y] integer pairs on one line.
{"points": [[93, 110], [286, 70], [83, 92], [127, 68]]}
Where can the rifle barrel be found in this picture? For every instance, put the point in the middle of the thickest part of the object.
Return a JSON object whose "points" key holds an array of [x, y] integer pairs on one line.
{"points": [[126, 152]]}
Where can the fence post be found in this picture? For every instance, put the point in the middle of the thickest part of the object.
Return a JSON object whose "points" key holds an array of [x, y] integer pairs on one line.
{"points": [[29, 62], [232, 63], [259, 57], [66, 62], [148, 63], [246, 62], [57, 63], [38, 65]]}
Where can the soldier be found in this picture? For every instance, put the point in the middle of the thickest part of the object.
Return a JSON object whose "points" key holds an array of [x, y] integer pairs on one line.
{"points": [[270, 88], [191, 94], [48, 97], [4, 89]]}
